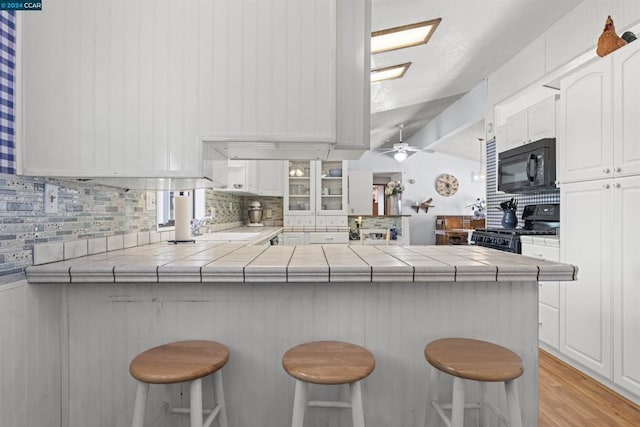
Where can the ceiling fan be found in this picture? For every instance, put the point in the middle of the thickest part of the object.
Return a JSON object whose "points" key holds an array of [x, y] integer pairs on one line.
{"points": [[402, 150]]}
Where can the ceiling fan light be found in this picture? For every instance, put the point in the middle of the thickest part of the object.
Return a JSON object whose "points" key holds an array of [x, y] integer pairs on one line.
{"points": [[400, 156], [403, 36]]}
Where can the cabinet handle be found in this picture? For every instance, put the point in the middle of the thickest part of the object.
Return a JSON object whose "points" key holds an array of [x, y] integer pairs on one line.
{"points": [[605, 186], [540, 323], [617, 185], [606, 170], [618, 169]]}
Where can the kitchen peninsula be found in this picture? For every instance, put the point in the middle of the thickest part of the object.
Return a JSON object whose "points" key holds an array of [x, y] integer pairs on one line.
{"points": [[260, 300]]}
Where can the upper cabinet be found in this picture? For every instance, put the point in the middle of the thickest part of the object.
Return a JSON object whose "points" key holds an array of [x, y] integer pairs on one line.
{"points": [[599, 111], [315, 188], [534, 123], [251, 177], [113, 91]]}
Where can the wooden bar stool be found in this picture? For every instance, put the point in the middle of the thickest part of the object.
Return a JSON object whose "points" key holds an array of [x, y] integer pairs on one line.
{"points": [[328, 362], [469, 359], [178, 362]]}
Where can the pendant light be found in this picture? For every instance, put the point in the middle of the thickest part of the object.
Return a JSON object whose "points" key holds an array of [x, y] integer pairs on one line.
{"points": [[480, 175]]}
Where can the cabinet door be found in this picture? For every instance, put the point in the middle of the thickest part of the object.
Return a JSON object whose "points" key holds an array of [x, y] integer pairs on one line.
{"points": [[270, 177], [501, 139], [626, 269], [584, 149], [585, 305], [331, 190], [516, 129], [626, 93], [541, 120], [360, 192], [549, 292], [299, 196]]}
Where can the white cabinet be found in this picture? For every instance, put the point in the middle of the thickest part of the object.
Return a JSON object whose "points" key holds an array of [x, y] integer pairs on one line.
{"points": [[599, 312], [360, 192], [270, 178], [135, 92], [254, 177], [534, 123], [599, 109], [626, 288], [546, 248], [586, 220], [315, 189]]}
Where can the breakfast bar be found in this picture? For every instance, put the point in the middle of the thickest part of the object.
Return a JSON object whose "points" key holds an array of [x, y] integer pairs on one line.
{"points": [[262, 300]]}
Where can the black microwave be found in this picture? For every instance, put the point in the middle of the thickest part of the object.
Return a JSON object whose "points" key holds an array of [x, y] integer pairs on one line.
{"points": [[528, 168]]}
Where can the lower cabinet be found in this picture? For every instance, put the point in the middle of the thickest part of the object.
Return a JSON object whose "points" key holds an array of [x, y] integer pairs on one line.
{"points": [[313, 237], [599, 315], [546, 248]]}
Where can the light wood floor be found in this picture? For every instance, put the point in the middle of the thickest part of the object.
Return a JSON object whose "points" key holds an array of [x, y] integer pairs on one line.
{"points": [[569, 398]]}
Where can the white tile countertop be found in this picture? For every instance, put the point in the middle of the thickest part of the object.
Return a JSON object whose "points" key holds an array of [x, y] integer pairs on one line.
{"points": [[249, 261]]}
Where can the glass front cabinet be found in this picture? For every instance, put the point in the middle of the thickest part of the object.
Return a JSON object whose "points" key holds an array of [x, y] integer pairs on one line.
{"points": [[316, 187]]}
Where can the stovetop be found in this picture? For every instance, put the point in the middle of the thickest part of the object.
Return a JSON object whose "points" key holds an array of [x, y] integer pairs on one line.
{"points": [[518, 231]]}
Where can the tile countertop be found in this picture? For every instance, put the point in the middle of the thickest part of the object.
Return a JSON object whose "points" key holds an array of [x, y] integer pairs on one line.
{"points": [[251, 261]]}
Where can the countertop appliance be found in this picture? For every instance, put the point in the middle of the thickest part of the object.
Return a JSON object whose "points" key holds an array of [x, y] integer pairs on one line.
{"points": [[528, 168], [543, 219], [255, 214]]}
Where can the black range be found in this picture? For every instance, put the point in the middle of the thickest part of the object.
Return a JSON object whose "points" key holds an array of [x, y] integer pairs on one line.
{"points": [[543, 219]]}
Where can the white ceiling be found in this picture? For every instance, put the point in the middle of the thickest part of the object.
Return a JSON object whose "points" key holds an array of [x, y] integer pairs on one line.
{"points": [[474, 38]]}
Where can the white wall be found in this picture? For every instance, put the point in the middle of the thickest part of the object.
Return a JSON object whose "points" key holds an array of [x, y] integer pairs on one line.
{"points": [[424, 168]]}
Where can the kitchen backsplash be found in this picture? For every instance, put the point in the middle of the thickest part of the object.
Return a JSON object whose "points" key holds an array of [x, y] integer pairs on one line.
{"points": [[494, 214], [232, 208], [84, 210]]}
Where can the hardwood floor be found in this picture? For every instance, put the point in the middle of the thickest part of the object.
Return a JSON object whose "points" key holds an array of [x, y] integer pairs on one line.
{"points": [[569, 398]]}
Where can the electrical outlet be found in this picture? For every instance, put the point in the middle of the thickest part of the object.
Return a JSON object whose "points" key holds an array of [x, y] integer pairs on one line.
{"points": [[230, 206], [50, 198], [268, 213]]}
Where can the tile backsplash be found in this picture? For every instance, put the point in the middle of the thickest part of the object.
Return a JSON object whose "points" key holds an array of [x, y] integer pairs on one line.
{"points": [[84, 211]]}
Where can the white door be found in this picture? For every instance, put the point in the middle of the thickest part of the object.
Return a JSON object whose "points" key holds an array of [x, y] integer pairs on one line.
{"points": [[541, 120], [516, 129], [331, 187], [626, 268], [270, 177], [585, 305], [360, 192], [299, 189], [626, 92], [584, 149]]}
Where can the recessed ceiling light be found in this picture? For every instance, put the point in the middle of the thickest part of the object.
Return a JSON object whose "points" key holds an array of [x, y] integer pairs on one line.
{"points": [[403, 36], [388, 73]]}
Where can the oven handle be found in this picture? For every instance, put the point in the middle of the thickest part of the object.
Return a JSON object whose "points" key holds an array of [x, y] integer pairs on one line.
{"points": [[531, 171]]}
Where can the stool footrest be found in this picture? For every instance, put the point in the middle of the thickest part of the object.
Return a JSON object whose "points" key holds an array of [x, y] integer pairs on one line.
{"points": [[328, 404], [439, 407], [213, 413]]}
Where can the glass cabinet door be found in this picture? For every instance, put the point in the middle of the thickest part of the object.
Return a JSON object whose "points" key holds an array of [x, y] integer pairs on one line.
{"points": [[331, 186], [299, 186]]}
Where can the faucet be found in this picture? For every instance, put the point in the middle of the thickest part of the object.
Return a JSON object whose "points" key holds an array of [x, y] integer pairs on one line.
{"points": [[197, 224]]}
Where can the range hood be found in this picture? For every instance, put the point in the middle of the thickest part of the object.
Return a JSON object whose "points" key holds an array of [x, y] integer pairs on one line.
{"points": [[283, 148]]}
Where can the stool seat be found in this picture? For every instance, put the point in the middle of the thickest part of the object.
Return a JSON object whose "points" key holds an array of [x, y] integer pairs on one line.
{"points": [[474, 360], [328, 362], [178, 362], [182, 362]]}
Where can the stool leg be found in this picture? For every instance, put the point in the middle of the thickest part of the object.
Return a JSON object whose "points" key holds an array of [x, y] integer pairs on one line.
{"points": [[195, 398], [432, 394], [357, 411], [484, 415], [219, 398], [299, 404], [141, 402], [457, 403], [513, 404]]}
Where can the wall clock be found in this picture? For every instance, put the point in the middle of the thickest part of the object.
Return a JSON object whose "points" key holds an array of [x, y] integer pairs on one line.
{"points": [[446, 185]]}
